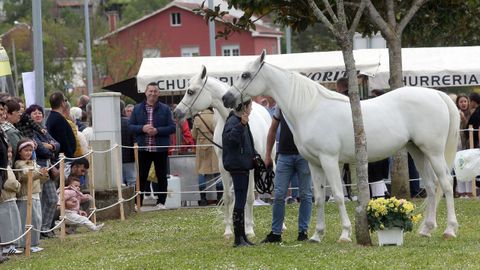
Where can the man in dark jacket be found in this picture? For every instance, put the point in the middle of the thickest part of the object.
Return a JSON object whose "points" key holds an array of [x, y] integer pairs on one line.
{"points": [[238, 153], [152, 123], [58, 127]]}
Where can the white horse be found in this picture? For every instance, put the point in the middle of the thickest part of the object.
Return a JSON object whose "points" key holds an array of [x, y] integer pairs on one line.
{"points": [[426, 121], [204, 92]]}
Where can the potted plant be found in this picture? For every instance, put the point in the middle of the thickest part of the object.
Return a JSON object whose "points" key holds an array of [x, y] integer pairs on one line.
{"points": [[390, 218]]}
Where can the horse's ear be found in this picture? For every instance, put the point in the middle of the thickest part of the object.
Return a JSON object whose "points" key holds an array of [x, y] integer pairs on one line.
{"points": [[204, 72], [262, 56]]}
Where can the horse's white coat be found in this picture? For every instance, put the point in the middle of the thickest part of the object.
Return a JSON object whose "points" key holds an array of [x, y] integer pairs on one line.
{"points": [[196, 100], [424, 120]]}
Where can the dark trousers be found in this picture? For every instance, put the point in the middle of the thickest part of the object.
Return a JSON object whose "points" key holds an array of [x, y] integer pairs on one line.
{"points": [[240, 187], [160, 161]]}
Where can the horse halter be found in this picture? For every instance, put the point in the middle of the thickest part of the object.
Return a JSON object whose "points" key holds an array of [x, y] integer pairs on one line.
{"points": [[249, 82], [199, 92]]}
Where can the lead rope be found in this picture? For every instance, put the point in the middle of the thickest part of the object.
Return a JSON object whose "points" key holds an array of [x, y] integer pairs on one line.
{"points": [[263, 176]]}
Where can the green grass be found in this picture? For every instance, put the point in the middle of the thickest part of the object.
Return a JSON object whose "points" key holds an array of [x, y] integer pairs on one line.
{"points": [[192, 239]]}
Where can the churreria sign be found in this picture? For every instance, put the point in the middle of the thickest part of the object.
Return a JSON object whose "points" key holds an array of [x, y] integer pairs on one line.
{"points": [[441, 80]]}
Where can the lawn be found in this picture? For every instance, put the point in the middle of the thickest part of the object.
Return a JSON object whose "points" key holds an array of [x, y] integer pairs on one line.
{"points": [[192, 239]]}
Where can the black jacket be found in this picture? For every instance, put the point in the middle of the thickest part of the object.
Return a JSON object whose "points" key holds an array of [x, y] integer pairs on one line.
{"points": [[62, 132], [128, 139], [238, 148]]}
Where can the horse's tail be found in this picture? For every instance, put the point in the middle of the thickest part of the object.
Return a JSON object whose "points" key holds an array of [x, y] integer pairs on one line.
{"points": [[453, 131], [452, 139]]}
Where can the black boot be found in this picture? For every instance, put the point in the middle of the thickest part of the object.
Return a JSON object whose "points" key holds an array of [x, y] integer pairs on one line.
{"points": [[240, 215], [239, 228], [203, 199]]}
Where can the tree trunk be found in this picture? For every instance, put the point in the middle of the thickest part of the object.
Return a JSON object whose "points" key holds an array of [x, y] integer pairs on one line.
{"points": [[400, 176], [361, 225]]}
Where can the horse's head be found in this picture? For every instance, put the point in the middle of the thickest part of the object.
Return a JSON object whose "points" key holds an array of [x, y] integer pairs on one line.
{"points": [[196, 98], [247, 85]]}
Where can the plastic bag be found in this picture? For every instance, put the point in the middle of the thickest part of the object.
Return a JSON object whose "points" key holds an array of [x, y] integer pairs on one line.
{"points": [[467, 164], [152, 177]]}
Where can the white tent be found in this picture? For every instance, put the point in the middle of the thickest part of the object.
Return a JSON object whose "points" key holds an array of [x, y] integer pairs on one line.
{"points": [[429, 67]]}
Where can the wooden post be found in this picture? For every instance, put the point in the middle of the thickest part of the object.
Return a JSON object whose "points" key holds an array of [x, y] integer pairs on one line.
{"points": [[118, 173], [62, 195], [28, 237], [474, 182], [137, 182], [91, 185]]}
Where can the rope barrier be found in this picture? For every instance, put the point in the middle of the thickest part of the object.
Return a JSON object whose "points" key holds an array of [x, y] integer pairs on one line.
{"points": [[52, 229], [104, 151], [170, 146], [75, 158], [18, 238]]}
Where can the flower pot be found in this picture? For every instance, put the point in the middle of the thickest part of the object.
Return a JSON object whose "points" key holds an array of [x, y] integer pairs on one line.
{"points": [[390, 237]]}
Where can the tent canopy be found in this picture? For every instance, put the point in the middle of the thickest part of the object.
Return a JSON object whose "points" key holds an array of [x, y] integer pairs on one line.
{"points": [[429, 67]]}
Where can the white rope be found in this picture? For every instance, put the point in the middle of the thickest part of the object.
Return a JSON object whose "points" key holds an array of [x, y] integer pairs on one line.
{"points": [[88, 153], [29, 227], [105, 151], [52, 229], [169, 146]]}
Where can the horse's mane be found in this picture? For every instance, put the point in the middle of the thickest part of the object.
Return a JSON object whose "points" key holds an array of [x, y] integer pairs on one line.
{"points": [[305, 91]]}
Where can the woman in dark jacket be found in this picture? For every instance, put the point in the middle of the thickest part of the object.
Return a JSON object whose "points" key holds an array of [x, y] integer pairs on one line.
{"points": [[238, 153], [46, 151]]}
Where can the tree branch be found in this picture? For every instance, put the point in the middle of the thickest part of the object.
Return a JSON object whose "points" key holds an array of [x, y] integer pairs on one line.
{"points": [[411, 12], [356, 20], [330, 11], [318, 13], [377, 19]]}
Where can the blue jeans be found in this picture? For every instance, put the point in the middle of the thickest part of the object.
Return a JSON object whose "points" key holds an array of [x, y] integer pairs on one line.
{"points": [[287, 167], [202, 181], [129, 174]]}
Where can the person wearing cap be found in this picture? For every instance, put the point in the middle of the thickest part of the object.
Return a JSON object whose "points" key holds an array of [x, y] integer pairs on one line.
{"points": [[238, 154]]}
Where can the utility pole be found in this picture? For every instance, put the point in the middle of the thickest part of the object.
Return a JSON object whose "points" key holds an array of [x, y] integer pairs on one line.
{"points": [[89, 50], [38, 52], [211, 32]]}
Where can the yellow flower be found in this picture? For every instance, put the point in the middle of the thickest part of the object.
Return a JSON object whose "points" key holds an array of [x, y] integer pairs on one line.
{"points": [[382, 226]]}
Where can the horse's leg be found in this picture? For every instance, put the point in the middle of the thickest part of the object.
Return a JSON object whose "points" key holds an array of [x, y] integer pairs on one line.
{"points": [[332, 171], [319, 181], [442, 171], [427, 174], [228, 201], [249, 206]]}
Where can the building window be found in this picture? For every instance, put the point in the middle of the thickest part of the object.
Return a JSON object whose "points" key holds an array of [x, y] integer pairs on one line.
{"points": [[176, 19], [231, 50], [190, 51], [151, 53]]}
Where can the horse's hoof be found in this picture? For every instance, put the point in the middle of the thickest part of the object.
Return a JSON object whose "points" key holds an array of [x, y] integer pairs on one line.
{"points": [[314, 240], [344, 240], [449, 235], [425, 234], [227, 236]]}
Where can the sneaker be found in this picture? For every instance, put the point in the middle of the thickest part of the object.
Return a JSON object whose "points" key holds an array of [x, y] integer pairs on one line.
{"points": [[160, 207], [99, 227], [11, 251], [36, 249], [47, 235], [302, 236], [272, 238]]}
